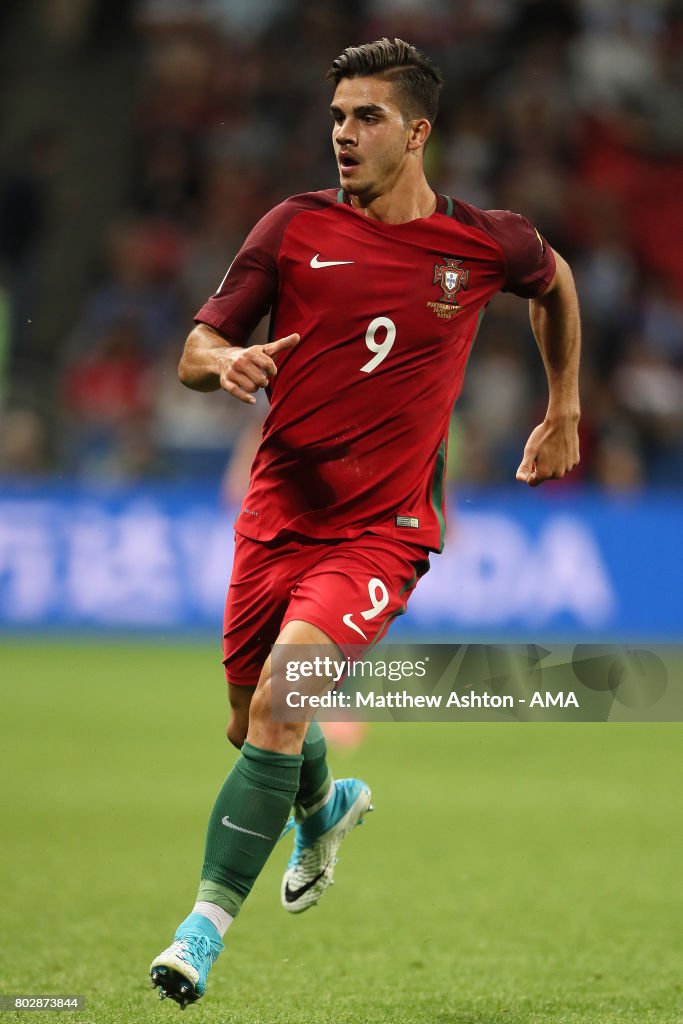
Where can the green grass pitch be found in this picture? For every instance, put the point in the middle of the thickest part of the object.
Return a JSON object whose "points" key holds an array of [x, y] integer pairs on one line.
{"points": [[521, 874]]}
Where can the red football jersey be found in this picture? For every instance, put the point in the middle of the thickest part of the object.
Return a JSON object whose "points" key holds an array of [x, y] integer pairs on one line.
{"points": [[355, 440]]}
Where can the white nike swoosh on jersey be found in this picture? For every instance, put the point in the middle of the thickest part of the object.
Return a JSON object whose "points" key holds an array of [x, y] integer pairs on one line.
{"points": [[317, 263], [238, 828], [348, 621]]}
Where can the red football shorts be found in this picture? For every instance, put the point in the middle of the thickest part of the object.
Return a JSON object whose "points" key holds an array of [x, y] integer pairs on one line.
{"points": [[350, 589]]}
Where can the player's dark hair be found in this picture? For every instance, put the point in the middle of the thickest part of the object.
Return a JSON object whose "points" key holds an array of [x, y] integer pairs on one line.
{"points": [[416, 80]]}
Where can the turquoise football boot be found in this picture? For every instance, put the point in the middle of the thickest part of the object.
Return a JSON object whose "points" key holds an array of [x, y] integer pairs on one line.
{"points": [[316, 843], [181, 970]]}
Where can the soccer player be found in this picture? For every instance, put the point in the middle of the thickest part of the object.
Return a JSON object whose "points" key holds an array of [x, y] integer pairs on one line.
{"points": [[375, 292]]}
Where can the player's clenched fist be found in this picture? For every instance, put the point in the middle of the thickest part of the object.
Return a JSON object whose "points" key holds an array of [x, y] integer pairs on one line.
{"points": [[243, 371], [551, 451]]}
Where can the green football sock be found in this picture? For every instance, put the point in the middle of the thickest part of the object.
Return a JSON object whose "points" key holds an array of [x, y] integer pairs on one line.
{"points": [[316, 778], [245, 824]]}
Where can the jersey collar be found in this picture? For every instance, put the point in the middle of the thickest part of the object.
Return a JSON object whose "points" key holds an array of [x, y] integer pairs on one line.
{"points": [[444, 204]]}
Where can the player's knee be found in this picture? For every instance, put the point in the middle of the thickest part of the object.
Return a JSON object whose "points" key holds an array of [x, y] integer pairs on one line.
{"points": [[259, 712], [278, 733]]}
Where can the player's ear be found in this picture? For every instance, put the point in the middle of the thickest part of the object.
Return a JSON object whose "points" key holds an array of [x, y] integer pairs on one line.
{"points": [[420, 129]]}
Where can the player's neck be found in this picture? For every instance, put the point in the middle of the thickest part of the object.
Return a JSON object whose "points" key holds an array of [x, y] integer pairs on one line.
{"points": [[400, 204]]}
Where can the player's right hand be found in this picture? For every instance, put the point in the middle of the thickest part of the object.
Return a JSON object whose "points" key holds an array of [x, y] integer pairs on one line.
{"points": [[243, 371]]}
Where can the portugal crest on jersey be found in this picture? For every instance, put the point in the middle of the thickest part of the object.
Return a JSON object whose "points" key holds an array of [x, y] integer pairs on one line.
{"points": [[452, 278]]}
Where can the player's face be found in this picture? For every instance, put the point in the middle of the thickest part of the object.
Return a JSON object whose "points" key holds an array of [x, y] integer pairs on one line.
{"points": [[369, 135]]}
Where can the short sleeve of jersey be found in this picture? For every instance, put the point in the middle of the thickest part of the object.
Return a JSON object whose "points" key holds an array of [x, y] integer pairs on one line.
{"points": [[250, 285], [529, 260], [249, 288]]}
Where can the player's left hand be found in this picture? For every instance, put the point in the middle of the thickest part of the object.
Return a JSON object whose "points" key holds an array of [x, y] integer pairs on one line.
{"points": [[551, 451]]}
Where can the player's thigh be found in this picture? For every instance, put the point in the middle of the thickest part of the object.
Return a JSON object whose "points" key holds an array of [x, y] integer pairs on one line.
{"points": [[357, 588]]}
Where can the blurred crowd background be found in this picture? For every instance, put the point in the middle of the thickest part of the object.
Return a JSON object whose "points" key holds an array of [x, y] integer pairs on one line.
{"points": [[142, 140]]}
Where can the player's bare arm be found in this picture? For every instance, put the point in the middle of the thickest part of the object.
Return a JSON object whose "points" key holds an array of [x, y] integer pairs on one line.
{"points": [[553, 447], [209, 362]]}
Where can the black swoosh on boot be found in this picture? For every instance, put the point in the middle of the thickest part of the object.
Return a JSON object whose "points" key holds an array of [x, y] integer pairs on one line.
{"points": [[292, 895]]}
